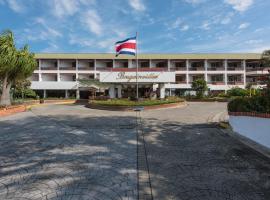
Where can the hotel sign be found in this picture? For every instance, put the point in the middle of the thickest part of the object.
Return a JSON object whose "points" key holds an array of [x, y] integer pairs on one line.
{"points": [[143, 77]]}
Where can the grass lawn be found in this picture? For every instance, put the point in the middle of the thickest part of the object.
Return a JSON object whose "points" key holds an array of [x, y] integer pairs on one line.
{"points": [[127, 102]]}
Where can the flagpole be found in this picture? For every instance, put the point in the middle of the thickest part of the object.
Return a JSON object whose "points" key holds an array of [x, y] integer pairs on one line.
{"points": [[137, 66]]}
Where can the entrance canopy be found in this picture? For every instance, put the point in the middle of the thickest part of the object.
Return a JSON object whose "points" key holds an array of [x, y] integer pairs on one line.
{"points": [[143, 77]]}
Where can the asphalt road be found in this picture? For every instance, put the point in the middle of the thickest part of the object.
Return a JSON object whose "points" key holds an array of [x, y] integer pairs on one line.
{"points": [[72, 152]]}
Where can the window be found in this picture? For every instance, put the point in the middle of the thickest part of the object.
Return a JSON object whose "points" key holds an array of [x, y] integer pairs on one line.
{"points": [[144, 64], [160, 65], [109, 64], [180, 79], [180, 65]]}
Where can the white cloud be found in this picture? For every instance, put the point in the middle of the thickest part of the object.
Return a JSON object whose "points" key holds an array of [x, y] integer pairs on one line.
{"points": [[41, 31], [227, 19], [92, 21], [184, 28], [243, 25], [15, 6], [195, 1], [205, 25], [137, 5], [176, 24], [240, 5], [62, 8]]}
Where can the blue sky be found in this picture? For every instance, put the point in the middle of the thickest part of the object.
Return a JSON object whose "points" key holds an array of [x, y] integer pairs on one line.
{"points": [[164, 26]]}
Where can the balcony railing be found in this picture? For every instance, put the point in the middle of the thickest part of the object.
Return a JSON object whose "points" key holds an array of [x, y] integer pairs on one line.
{"points": [[235, 82], [178, 68], [196, 68], [215, 68], [67, 68], [216, 82], [48, 68], [133, 69], [255, 69], [180, 82], [235, 68], [86, 68]]}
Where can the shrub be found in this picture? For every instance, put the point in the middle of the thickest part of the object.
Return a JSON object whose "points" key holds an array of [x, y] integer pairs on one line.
{"points": [[237, 92], [200, 86], [260, 104]]}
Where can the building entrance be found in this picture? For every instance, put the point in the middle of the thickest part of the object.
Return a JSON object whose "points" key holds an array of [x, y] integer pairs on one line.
{"points": [[130, 91]]}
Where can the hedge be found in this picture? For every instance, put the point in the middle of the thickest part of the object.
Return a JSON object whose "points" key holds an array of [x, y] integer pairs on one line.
{"points": [[259, 104]]}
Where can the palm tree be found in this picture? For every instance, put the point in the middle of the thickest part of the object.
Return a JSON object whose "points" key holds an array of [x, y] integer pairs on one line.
{"points": [[14, 64], [265, 61]]}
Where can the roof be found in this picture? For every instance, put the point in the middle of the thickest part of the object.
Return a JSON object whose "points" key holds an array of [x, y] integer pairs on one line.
{"points": [[210, 56]]}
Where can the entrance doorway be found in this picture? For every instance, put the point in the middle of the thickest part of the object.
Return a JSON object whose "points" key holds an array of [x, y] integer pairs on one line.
{"points": [[129, 91]]}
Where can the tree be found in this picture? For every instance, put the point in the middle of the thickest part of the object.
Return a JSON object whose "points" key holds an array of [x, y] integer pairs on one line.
{"points": [[15, 64], [200, 86], [265, 62], [22, 89]]}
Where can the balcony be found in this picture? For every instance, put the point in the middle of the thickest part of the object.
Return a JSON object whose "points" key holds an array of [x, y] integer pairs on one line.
{"points": [[48, 64], [235, 66], [235, 83], [216, 66], [216, 82], [197, 66], [180, 79]]}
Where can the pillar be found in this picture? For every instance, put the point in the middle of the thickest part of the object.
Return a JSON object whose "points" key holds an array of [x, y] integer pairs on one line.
{"points": [[162, 90], [112, 92], [66, 94], [244, 78], [119, 91], [205, 70], [226, 75], [187, 69], [78, 94], [44, 94], [58, 70]]}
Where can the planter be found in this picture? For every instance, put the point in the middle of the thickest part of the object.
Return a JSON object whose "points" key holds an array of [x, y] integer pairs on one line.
{"points": [[11, 110], [250, 114], [252, 127], [130, 108]]}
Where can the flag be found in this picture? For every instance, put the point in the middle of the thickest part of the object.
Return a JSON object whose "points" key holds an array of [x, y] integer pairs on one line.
{"points": [[127, 46]]}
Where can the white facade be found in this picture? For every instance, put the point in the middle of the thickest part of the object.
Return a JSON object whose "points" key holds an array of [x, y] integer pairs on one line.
{"points": [[222, 72]]}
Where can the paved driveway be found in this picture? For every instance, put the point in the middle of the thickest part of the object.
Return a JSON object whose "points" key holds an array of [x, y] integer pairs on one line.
{"points": [[71, 152]]}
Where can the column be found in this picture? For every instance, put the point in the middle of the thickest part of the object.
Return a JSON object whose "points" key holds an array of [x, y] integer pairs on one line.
{"points": [[44, 94], [77, 69], [150, 63], [78, 94], [129, 63], [58, 70], [187, 70], [162, 90], [66, 94], [226, 74], [113, 64], [205, 70], [95, 69], [119, 91], [112, 92], [169, 65], [244, 78], [39, 71]]}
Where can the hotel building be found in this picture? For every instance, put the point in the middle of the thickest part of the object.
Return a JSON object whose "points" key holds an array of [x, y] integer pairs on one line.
{"points": [[58, 74]]}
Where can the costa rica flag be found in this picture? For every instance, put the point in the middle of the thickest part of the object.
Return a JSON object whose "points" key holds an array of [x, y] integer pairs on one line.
{"points": [[127, 46]]}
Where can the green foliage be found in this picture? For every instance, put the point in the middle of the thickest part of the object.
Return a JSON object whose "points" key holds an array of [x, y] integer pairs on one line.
{"points": [[237, 92], [15, 64], [127, 102], [200, 86], [260, 104]]}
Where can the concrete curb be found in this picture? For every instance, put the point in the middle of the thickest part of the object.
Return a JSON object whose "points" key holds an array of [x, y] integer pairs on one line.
{"points": [[252, 144]]}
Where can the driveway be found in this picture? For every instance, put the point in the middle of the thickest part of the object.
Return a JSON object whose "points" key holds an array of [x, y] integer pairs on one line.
{"points": [[72, 152]]}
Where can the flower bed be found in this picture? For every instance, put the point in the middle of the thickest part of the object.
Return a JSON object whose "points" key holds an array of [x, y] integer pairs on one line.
{"points": [[4, 111], [125, 104]]}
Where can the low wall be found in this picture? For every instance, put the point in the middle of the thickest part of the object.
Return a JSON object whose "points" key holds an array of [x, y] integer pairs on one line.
{"points": [[252, 127], [131, 108], [11, 110]]}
